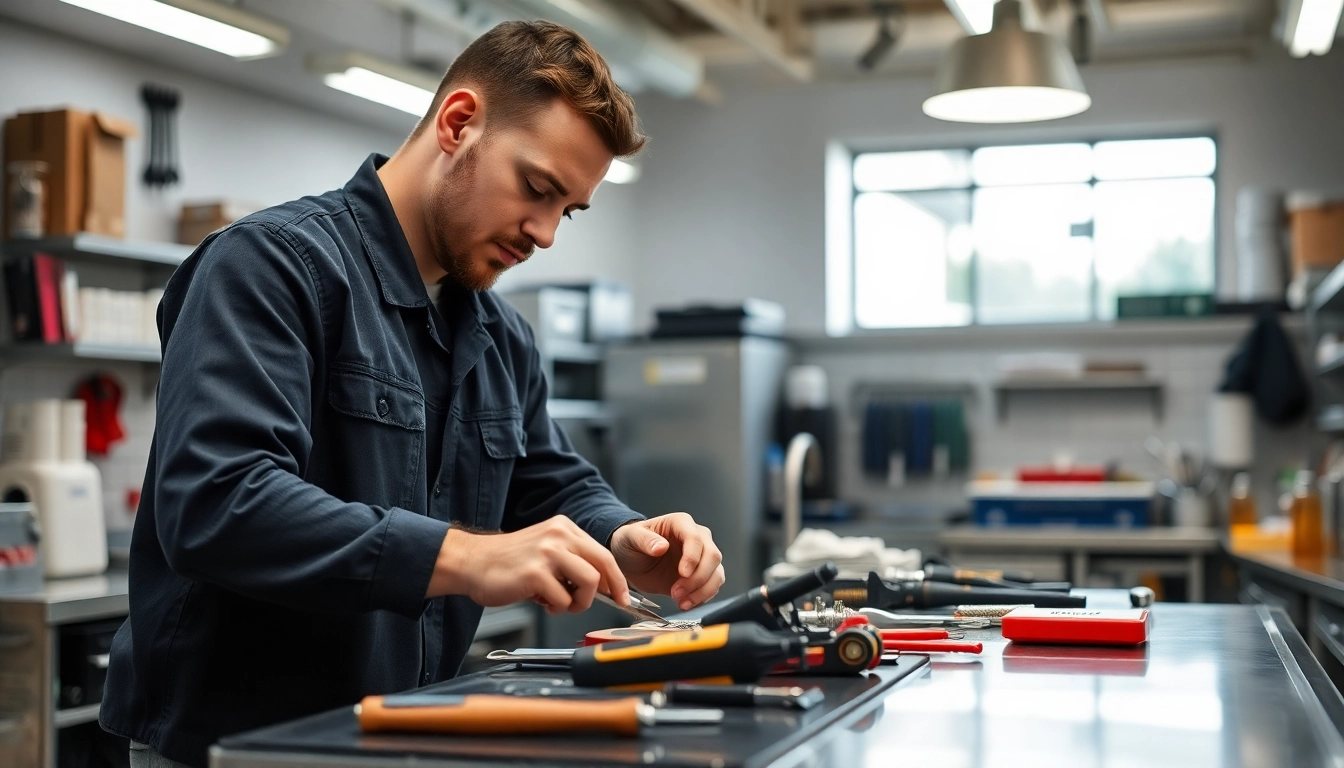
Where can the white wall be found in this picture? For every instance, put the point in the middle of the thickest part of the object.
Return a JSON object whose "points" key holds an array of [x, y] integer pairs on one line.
{"points": [[732, 195]]}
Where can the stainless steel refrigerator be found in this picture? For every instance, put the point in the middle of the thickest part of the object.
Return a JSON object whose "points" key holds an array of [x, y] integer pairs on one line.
{"points": [[691, 422]]}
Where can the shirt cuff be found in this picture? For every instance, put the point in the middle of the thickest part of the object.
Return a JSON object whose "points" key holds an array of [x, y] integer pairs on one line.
{"points": [[411, 546], [608, 520]]}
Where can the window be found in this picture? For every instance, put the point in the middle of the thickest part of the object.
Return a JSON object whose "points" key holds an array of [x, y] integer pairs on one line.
{"points": [[1028, 234]]}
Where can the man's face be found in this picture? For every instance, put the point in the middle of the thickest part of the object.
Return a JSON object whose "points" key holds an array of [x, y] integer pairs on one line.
{"points": [[507, 190]]}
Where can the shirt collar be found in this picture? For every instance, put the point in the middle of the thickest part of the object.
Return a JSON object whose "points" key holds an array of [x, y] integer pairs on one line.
{"points": [[386, 245]]}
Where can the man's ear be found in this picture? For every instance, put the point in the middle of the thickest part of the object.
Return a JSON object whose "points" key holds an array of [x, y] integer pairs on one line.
{"points": [[460, 112]]}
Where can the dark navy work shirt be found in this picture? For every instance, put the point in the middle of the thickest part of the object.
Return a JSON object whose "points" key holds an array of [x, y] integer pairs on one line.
{"points": [[290, 520]]}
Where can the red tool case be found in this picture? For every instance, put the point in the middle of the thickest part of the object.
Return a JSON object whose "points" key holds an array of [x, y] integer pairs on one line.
{"points": [[1076, 626]]}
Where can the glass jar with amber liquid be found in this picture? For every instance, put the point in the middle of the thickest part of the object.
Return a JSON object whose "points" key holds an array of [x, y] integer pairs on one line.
{"points": [[1308, 524], [1241, 506]]}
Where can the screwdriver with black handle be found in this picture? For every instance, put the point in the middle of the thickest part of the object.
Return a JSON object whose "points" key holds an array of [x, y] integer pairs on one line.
{"points": [[761, 604], [950, 575], [919, 595]]}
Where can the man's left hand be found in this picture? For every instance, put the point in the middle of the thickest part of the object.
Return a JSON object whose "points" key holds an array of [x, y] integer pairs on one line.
{"points": [[670, 555]]}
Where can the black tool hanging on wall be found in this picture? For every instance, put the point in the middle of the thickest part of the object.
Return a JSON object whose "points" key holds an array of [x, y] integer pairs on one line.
{"points": [[161, 170]]}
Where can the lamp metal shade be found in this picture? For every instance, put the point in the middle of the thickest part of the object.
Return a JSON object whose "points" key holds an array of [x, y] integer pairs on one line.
{"points": [[1007, 75]]}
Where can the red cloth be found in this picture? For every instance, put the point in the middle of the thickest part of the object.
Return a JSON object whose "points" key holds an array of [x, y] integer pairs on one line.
{"points": [[102, 405]]}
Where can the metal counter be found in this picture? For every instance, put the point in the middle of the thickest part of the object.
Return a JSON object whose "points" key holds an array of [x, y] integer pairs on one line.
{"points": [[1217, 685]]}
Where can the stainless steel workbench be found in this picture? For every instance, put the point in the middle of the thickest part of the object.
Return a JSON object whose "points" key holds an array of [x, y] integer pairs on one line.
{"points": [[1217, 685]]}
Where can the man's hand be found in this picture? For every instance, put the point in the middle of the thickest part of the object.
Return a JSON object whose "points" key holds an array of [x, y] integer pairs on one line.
{"points": [[670, 555], [553, 563]]}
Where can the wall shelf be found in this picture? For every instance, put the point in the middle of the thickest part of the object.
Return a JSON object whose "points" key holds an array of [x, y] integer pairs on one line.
{"points": [[1329, 295], [1331, 419], [559, 408], [108, 250], [64, 718], [79, 351], [1102, 385], [1332, 365], [865, 392]]}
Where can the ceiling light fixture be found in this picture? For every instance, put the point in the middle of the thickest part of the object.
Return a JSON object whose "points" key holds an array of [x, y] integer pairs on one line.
{"points": [[220, 28], [1007, 75], [1309, 26], [975, 16], [393, 85]]}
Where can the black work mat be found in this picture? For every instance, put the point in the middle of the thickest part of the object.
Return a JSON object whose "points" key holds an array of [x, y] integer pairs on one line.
{"points": [[747, 736]]}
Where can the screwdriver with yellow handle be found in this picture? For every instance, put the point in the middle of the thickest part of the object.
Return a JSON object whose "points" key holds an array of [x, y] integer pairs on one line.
{"points": [[493, 715]]}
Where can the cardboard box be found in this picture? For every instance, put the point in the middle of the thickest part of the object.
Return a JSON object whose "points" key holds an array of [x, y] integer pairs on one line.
{"points": [[1318, 237], [85, 153], [200, 219]]}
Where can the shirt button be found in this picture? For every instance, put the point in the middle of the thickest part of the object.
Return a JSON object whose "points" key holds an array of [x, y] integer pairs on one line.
{"points": [[436, 489], [382, 406]]}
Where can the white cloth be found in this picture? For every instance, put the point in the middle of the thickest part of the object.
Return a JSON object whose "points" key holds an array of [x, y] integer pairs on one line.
{"points": [[855, 556]]}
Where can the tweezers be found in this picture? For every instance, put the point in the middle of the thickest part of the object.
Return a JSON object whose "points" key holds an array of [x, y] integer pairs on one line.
{"points": [[638, 607]]}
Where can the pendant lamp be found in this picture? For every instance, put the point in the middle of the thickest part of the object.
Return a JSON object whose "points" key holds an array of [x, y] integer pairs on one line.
{"points": [[1007, 75]]}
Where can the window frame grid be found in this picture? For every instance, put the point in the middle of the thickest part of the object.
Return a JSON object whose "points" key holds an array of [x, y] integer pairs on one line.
{"points": [[973, 287]]}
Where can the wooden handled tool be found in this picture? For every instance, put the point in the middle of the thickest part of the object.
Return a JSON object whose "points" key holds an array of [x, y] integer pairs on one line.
{"points": [[485, 714]]}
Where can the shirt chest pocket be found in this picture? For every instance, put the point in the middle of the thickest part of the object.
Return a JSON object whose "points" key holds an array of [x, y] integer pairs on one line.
{"points": [[382, 429], [500, 442]]}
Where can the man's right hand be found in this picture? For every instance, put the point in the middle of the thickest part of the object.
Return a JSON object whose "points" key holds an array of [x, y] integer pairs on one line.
{"points": [[553, 563]]}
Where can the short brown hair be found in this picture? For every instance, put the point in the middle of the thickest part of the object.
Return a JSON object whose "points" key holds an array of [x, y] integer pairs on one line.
{"points": [[521, 65]]}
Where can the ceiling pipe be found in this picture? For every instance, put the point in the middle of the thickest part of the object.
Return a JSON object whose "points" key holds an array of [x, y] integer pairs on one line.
{"points": [[640, 55], [734, 21]]}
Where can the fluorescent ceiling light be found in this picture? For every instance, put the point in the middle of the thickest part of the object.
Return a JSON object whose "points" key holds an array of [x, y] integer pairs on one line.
{"points": [[1310, 25], [209, 25], [1007, 75], [409, 90], [621, 172]]}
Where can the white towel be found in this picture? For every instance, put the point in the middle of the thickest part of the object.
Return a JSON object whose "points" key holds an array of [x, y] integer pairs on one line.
{"points": [[855, 556]]}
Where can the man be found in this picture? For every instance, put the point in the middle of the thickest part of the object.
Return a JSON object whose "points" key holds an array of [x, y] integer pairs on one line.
{"points": [[337, 452]]}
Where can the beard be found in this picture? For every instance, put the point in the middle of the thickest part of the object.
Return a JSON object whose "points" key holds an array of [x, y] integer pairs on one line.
{"points": [[452, 224]]}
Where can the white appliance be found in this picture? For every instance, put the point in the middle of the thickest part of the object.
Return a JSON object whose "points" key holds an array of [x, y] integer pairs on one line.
{"points": [[44, 462]]}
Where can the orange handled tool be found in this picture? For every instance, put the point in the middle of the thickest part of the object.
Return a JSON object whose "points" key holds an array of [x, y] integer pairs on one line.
{"points": [[486, 714], [931, 646]]}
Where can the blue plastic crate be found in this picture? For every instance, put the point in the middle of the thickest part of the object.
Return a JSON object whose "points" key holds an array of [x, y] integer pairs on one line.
{"points": [[1097, 505]]}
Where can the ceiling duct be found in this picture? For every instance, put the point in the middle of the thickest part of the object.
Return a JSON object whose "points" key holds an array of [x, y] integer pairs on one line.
{"points": [[641, 56]]}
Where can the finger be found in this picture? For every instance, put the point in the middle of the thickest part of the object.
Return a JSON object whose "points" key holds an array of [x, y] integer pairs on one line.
{"points": [[550, 592], [692, 538], [645, 541], [600, 558], [583, 580], [706, 591], [710, 563]]}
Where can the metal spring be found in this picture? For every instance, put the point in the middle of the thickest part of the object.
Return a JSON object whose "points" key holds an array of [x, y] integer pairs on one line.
{"points": [[984, 611], [857, 596]]}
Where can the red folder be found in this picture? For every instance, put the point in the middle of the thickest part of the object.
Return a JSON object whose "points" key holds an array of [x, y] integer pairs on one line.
{"points": [[47, 272]]}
